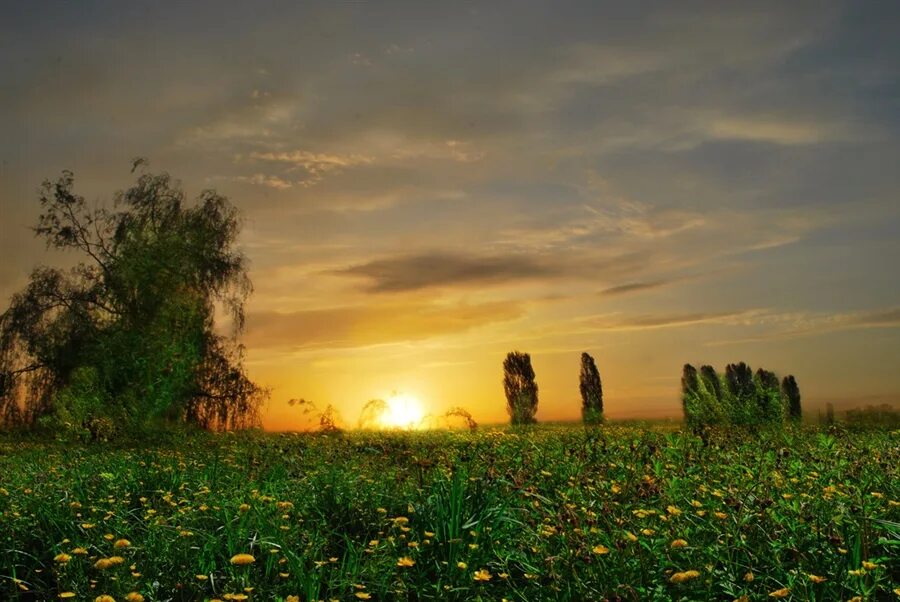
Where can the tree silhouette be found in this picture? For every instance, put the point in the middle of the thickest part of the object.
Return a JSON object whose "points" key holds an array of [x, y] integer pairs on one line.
{"points": [[520, 388], [591, 391], [791, 392], [742, 390], [128, 334]]}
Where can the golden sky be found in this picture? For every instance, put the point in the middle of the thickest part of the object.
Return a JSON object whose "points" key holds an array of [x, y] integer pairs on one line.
{"points": [[428, 186]]}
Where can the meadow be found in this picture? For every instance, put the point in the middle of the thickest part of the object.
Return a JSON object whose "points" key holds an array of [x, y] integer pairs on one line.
{"points": [[618, 512]]}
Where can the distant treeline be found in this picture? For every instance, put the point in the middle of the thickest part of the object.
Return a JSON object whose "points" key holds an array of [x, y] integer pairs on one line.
{"points": [[739, 397]]}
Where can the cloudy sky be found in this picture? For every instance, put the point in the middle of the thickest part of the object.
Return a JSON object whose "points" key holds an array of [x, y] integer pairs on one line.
{"points": [[428, 186]]}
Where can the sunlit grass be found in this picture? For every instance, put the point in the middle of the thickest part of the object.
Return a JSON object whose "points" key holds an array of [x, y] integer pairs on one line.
{"points": [[542, 513]]}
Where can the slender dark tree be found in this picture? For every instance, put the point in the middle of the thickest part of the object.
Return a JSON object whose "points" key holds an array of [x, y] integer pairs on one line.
{"points": [[591, 391], [713, 383], [128, 334], [769, 402], [690, 385], [791, 392], [520, 388], [742, 390]]}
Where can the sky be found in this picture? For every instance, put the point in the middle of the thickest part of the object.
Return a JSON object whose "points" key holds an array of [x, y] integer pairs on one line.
{"points": [[428, 186]]}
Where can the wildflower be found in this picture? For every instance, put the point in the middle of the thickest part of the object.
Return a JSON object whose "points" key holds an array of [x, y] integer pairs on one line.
{"points": [[292, 599], [630, 536], [648, 532], [679, 543], [67, 595], [406, 561], [869, 566], [201, 577], [857, 572], [720, 515], [373, 543], [600, 550], [784, 592], [482, 575], [87, 526], [122, 543], [673, 510], [816, 578], [401, 520], [244, 508], [462, 565], [684, 576], [134, 597], [362, 595], [748, 577], [62, 558], [105, 563], [109, 537], [104, 598], [80, 551], [242, 559], [284, 505]]}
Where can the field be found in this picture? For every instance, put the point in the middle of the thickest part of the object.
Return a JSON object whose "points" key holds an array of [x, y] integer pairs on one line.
{"points": [[550, 513]]}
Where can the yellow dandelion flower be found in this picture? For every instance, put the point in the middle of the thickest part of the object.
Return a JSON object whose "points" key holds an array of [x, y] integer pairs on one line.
{"points": [[67, 595], [292, 599], [134, 597], [374, 543], [615, 488], [242, 559], [62, 558], [683, 576], [122, 543], [105, 563], [482, 575], [748, 577], [816, 578], [109, 537], [679, 543], [244, 508], [784, 592], [869, 566], [401, 520], [630, 536], [202, 577], [362, 595], [857, 572], [744, 598], [104, 598], [720, 515], [87, 525], [406, 561], [673, 510], [600, 550], [462, 565], [80, 551], [855, 599]]}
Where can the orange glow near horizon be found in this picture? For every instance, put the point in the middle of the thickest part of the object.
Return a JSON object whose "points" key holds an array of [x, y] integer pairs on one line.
{"points": [[403, 411]]}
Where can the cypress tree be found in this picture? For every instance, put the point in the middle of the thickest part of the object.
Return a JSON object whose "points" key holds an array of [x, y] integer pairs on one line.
{"points": [[591, 391], [520, 388]]}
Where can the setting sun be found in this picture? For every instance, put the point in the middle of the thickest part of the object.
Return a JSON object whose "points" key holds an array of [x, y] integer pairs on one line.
{"points": [[403, 412]]}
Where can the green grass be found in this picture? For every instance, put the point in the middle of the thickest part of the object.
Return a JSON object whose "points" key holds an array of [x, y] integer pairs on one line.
{"points": [[550, 512]]}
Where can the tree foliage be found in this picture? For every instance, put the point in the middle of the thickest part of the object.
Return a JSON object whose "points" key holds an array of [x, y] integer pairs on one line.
{"points": [[128, 335], [740, 397], [791, 392], [520, 388], [591, 391]]}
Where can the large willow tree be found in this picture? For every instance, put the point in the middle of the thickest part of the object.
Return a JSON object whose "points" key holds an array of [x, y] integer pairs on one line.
{"points": [[127, 336]]}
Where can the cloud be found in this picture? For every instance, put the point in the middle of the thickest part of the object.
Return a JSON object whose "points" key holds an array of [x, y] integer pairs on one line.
{"points": [[265, 180], [314, 165], [426, 270], [364, 325], [672, 320], [633, 287]]}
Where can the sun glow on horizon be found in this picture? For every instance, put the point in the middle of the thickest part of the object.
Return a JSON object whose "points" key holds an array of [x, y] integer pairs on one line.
{"points": [[403, 411]]}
